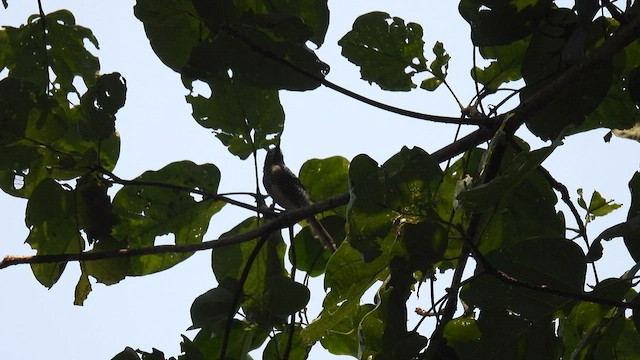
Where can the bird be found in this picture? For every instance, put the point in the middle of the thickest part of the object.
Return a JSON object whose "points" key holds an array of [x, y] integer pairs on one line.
{"points": [[286, 190]]}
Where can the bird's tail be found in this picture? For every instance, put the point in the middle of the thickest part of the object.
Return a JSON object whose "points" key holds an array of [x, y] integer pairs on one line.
{"points": [[320, 233]]}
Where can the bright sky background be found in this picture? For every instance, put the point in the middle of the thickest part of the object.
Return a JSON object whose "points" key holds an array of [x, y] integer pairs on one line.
{"points": [[156, 128]]}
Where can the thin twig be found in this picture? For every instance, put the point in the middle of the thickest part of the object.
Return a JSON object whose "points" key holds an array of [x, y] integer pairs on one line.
{"points": [[322, 80], [112, 178]]}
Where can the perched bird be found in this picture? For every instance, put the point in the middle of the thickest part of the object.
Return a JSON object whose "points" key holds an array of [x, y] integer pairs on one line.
{"points": [[286, 189]]}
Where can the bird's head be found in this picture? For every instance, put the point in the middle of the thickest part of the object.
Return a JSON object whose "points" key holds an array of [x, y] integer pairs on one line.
{"points": [[274, 155]]}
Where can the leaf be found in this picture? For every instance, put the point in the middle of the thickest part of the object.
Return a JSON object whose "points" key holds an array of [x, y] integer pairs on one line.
{"points": [[51, 219], [276, 346], [514, 173], [99, 106], [172, 29], [387, 51], [263, 55], [310, 255], [65, 47], [598, 206], [405, 186], [505, 66], [383, 331], [543, 62], [425, 243], [150, 211], [285, 296], [509, 336], [529, 261], [325, 178], [206, 345], [618, 109], [266, 272], [348, 277], [462, 334], [94, 209], [244, 118], [127, 354], [495, 23], [342, 338], [212, 308], [83, 288], [40, 139]]}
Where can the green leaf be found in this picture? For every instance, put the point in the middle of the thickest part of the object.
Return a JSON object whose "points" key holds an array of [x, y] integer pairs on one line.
{"points": [[94, 209], [83, 288], [172, 29], [598, 206], [510, 336], [342, 338], [514, 173], [266, 270], [51, 219], [65, 49], [206, 345], [285, 296], [384, 330], [325, 178], [385, 48], [505, 66], [502, 22], [405, 186], [348, 277], [440, 65], [462, 334], [543, 63], [99, 106], [425, 243], [40, 139], [618, 109], [159, 208], [314, 14], [212, 308], [633, 85], [530, 212], [244, 118], [276, 346], [255, 49], [310, 255], [529, 261]]}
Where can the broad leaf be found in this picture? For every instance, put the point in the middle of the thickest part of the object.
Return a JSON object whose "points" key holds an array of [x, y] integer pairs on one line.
{"points": [[159, 208], [244, 118], [384, 48]]}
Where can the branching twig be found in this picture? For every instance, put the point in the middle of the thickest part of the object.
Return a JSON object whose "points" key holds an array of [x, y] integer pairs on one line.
{"points": [[489, 269], [116, 180], [322, 80]]}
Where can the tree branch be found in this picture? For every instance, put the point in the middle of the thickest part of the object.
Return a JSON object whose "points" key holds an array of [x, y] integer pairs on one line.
{"points": [[112, 178], [284, 220], [510, 280], [322, 80]]}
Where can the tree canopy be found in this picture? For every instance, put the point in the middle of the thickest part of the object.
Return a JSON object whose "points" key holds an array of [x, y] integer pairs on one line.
{"points": [[483, 212]]}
